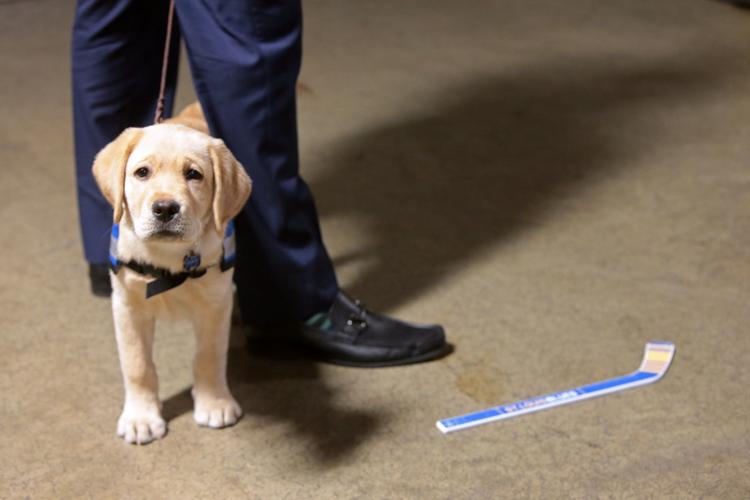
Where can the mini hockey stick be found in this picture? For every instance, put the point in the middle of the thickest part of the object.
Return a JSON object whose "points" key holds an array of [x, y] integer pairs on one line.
{"points": [[656, 360]]}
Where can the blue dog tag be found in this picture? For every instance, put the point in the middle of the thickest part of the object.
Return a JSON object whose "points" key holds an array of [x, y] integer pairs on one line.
{"points": [[191, 261]]}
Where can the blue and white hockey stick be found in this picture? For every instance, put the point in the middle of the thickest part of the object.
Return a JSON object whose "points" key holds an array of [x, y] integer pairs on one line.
{"points": [[656, 360]]}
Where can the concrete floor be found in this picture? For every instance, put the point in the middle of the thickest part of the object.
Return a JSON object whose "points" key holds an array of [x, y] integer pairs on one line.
{"points": [[556, 183]]}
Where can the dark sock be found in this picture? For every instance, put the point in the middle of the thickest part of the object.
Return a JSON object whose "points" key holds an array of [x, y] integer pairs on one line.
{"points": [[320, 321], [99, 279]]}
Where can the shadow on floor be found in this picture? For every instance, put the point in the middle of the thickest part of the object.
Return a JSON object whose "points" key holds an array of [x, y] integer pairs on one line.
{"points": [[493, 158], [272, 381]]}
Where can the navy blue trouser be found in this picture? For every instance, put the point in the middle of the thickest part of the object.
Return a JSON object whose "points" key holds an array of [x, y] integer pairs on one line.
{"points": [[244, 57]]}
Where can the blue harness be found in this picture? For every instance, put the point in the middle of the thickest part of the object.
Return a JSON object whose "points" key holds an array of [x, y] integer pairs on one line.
{"points": [[165, 279]]}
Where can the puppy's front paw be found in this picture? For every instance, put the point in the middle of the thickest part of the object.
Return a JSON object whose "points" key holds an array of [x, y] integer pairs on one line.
{"points": [[216, 412], [140, 427]]}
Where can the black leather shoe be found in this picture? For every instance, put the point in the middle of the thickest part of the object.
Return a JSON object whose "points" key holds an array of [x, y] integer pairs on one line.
{"points": [[353, 336], [99, 277]]}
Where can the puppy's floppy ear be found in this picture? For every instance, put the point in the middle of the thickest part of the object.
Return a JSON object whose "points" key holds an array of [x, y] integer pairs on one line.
{"points": [[232, 185], [109, 168]]}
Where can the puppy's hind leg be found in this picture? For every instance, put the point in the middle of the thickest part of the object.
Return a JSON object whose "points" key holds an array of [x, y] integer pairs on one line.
{"points": [[140, 421], [214, 405]]}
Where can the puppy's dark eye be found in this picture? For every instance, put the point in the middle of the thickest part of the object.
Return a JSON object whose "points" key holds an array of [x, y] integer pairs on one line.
{"points": [[193, 175], [141, 172]]}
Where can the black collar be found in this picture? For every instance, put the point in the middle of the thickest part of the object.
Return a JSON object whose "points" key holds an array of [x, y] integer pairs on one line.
{"points": [[166, 279]]}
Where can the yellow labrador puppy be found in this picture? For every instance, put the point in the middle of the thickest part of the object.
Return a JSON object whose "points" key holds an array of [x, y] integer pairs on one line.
{"points": [[174, 190]]}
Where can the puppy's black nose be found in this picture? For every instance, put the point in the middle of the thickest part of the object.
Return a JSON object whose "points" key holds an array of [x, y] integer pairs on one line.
{"points": [[165, 210]]}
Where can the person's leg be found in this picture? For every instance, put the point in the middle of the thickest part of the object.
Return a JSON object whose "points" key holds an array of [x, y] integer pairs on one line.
{"points": [[117, 51], [245, 58]]}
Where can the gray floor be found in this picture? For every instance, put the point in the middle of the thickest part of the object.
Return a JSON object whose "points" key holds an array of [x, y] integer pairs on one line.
{"points": [[556, 182]]}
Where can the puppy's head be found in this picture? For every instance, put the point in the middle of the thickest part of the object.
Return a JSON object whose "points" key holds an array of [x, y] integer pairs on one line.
{"points": [[170, 182]]}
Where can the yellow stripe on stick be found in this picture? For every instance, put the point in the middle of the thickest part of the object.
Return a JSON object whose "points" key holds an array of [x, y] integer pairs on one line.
{"points": [[657, 356]]}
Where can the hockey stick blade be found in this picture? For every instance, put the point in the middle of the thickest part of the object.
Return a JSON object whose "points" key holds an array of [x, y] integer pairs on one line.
{"points": [[656, 360]]}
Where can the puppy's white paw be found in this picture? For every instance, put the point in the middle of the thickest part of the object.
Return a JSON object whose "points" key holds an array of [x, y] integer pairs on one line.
{"points": [[216, 412], [140, 427]]}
